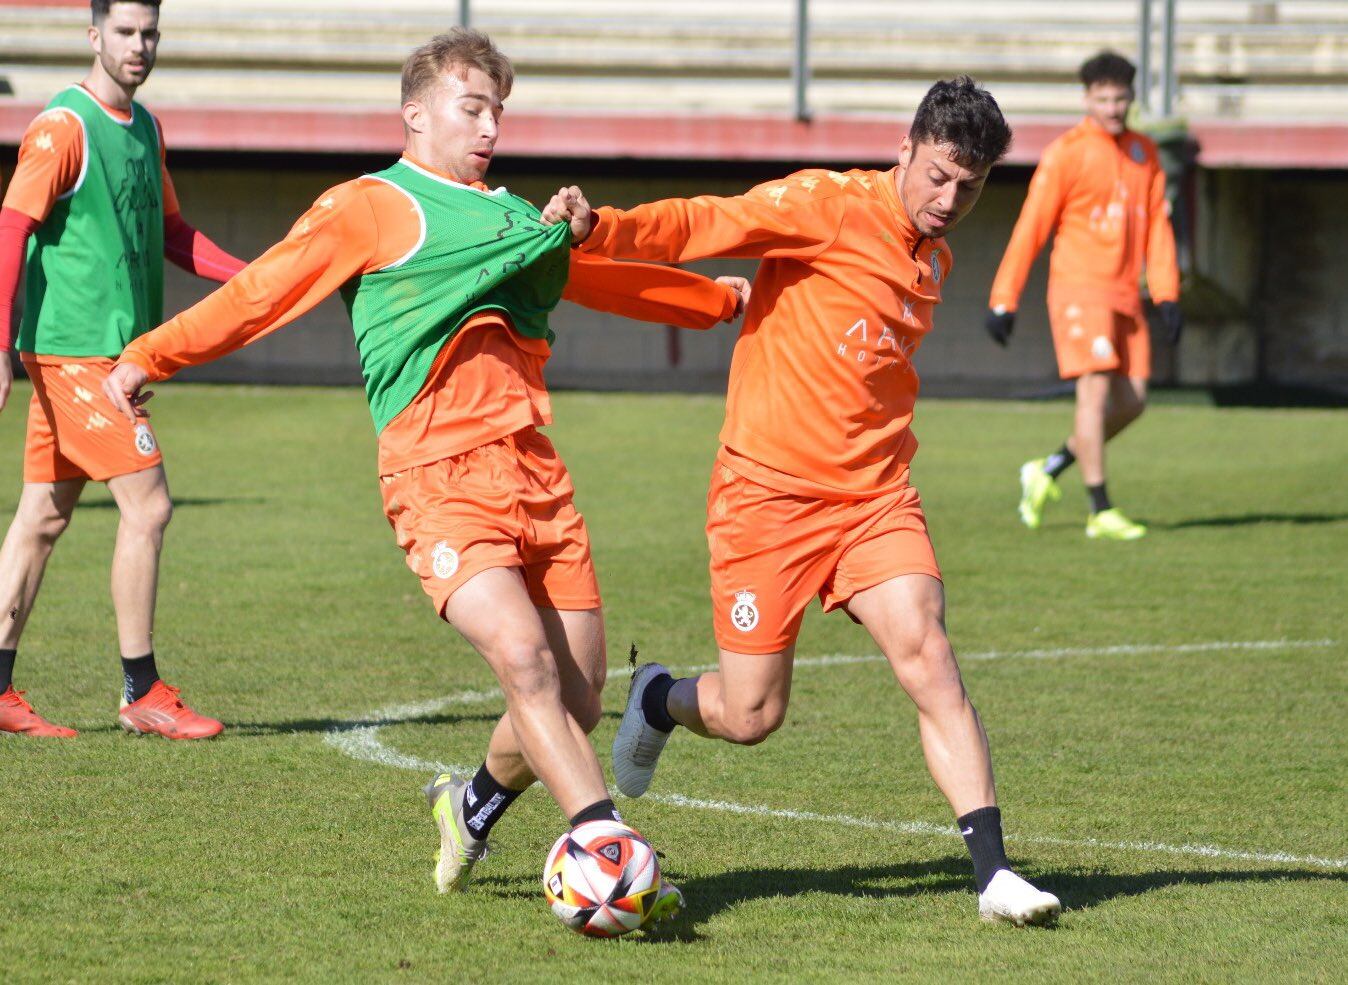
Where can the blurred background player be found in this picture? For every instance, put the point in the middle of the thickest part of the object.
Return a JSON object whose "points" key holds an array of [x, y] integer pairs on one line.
{"points": [[449, 286], [1101, 189], [92, 192], [810, 494]]}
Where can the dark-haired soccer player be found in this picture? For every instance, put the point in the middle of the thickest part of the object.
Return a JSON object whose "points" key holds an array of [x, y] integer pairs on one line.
{"points": [[1101, 189], [810, 495], [449, 285], [93, 201]]}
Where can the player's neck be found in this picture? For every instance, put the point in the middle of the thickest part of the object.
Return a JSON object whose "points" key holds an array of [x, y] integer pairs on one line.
{"points": [[108, 90], [424, 162]]}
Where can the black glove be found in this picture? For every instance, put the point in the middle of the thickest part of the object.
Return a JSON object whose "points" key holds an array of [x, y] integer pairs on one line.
{"points": [[1172, 320], [999, 325]]}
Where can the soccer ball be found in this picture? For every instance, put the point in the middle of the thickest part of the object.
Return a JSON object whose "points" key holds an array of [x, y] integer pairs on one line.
{"points": [[601, 879]]}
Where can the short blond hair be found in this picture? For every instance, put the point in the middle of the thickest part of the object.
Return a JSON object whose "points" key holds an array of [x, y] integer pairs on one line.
{"points": [[460, 46]]}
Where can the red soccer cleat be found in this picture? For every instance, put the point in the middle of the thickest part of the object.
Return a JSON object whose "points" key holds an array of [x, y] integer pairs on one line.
{"points": [[18, 716], [162, 712]]}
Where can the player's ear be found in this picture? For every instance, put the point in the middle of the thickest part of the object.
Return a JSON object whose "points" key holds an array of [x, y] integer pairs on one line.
{"points": [[414, 116], [95, 39], [905, 152]]}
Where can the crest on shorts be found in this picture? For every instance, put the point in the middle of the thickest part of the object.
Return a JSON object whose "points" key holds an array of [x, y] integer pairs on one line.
{"points": [[444, 560], [744, 614], [145, 443], [936, 272], [1102, 348]]}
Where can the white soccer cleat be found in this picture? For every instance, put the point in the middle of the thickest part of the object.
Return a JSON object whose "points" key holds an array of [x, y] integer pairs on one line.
{"points": [[637, 746], [1010, 899]]}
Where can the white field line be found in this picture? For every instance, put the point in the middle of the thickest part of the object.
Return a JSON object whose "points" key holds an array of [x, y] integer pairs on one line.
{"points": [[361, 741], [1064, 652]]}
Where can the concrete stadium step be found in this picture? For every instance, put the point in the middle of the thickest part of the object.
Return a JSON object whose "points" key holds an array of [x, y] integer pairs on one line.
{"points": [[1237, 59]]}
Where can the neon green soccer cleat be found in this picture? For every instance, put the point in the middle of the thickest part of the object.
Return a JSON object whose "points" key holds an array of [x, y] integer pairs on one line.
{"points": [[668, 903], [1113, 525], [459, 850], [1037, 487]]}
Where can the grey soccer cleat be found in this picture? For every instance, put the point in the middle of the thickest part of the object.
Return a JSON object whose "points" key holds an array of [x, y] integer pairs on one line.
{"points": [[459, 850], [637, 746]]}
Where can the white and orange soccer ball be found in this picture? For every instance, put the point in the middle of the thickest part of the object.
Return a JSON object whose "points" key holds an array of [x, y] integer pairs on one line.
{"points": [[601, 879]]}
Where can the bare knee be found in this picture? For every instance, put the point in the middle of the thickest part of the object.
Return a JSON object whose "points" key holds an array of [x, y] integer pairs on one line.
{"points": [[43, 525], [750, 726], [924, 663], [527, 671], [151, 517]]}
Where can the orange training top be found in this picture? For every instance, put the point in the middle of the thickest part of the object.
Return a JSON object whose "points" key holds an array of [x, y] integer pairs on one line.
{"points": [[51, 157], [822, 385], [1105, 196], [485, 384]]}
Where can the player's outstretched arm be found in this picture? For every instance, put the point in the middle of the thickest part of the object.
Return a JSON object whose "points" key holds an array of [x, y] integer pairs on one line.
{"points": [[1038, 218], [796, 217], [331, 243], [663, 295]]}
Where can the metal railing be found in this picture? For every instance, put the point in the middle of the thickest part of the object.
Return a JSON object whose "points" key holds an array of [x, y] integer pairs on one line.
{"points": [[1146, 40]]}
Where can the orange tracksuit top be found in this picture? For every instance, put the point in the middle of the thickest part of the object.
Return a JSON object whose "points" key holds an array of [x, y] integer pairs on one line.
{"points": [[485, 384], [822, 383], [1105, 196]]}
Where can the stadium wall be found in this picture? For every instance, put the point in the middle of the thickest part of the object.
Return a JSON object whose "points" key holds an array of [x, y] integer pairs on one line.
{"points": [[1271, 305]]}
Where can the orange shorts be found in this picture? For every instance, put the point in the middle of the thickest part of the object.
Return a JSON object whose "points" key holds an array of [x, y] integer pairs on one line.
{"points": [[74, 431], [1090, 337], [771, 552], [506, 504]]}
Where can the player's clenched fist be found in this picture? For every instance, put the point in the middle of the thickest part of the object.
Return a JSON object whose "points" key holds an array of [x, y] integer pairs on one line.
{"points": [[742, 287], [122, 387], [569, 205]]}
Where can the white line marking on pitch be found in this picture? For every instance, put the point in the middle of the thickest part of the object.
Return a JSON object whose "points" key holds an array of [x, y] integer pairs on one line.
{"points": [[362, 741]]}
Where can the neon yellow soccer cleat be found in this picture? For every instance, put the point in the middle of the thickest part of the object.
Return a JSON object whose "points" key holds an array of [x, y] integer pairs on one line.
{"points": [[459, 850], [1037, 487], [1113, 525], [668, 903]]}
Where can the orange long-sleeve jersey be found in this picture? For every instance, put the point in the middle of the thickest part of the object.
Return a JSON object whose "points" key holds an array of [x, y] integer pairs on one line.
{"points": [[1105, 197], [486, 383], [822, 383]]}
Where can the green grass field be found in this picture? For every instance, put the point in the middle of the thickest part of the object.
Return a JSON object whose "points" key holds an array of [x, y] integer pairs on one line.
{"points": [[1184, 794]]}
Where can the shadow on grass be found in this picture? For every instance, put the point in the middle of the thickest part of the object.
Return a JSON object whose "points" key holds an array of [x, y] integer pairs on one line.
{"points": [[180, 502], [1253, 519], [250, 729], [708, 896]]}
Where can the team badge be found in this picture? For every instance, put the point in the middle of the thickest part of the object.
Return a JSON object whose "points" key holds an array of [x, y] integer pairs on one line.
{"points": [[745, 613], [145, 443], [1136, 152], [936, 272], [444, 561], [1102, 348]]}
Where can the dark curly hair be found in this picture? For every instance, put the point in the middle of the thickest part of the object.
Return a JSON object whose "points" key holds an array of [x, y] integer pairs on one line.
{"points": [[962, 114], [1107, 66]]}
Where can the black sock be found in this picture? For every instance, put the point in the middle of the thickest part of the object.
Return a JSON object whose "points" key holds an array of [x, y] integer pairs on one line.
{"points": [[1057, 463], [1099, 498], [655, 703], [982, 830], [7, 669], [484, 802], [602, 810], [139, 675]]}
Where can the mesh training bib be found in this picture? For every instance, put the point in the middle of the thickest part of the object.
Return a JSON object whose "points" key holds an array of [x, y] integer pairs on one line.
{"points": [[479, 251], [95, 276]]}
